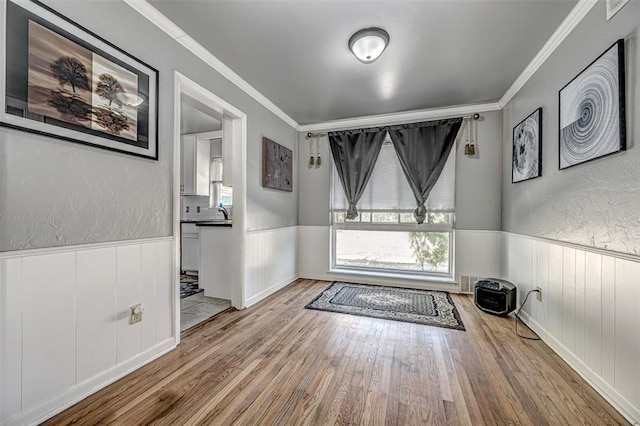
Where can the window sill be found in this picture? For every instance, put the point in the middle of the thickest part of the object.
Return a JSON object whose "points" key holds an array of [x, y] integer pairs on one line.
{"points": [[445, 279]]}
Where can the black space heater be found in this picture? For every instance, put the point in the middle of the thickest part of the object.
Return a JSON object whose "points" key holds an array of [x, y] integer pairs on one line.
{"points": [[495, 296]]}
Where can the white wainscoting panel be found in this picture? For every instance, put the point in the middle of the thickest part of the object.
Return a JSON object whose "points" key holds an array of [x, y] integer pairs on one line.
{"points": [[588, 313], [128, 293], [165, 292], [477, 253], [95, 310], [64, 321], [48, 326], [10, 337], [270, 262]]}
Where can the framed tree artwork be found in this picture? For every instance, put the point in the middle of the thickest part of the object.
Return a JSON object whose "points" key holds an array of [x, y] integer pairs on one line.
{"points": [[277, 166], [61, 80], [592, 110], [527, 148]]}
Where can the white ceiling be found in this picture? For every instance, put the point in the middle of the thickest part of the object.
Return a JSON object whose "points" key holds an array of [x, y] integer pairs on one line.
{"points": [[442, 53]]}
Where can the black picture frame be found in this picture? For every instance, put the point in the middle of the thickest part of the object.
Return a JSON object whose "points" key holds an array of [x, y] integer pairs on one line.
{"points": [[277, 166], [61, 80], [526, 155], [592, 127]]}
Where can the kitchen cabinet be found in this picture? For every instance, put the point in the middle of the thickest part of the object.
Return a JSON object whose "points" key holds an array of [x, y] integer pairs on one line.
{"points": [[195, 155], [190, 247]]}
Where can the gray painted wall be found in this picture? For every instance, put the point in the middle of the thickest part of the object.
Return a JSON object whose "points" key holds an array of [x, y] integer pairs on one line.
{"points": [[55, 193], [596, 203], [477, 180]]}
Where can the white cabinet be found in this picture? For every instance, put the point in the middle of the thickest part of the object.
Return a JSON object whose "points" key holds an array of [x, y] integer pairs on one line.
{"points": [[190, 248], [195, 155]]}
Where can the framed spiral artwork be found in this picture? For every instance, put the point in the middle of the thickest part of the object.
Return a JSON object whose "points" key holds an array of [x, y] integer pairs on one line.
{"points": [[592, 110], [526, 161]]}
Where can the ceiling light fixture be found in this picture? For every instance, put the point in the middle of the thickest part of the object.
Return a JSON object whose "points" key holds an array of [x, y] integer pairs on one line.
{"points": [[368, 44]]}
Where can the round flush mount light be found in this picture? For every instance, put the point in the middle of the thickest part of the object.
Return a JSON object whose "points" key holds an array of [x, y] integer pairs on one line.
{"points": [[368, 44]]}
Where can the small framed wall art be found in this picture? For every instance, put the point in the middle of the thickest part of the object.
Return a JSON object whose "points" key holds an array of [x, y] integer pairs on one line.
{"points": [[59, 79], [277, 166], [527, 148], [592, 110]]}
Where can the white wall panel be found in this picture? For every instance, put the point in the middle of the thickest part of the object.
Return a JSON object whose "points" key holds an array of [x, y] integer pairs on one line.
{"points": [[580, 293], [11, 337], [148, 296], [569, 297], [165, 291], [541, 280], [591, 301], [593, 312], [627, 336], [477, 253], [608, 319], [64, 321], [48, 326], [128, 294], [270, 263], [554, 295], [95, 311]]}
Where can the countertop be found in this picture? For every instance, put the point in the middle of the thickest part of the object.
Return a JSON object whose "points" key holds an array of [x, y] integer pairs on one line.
{"points": [[209, 222]]}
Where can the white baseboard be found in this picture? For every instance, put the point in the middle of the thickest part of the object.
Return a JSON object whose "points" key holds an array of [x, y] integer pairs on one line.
{"points": [[50, 408], [269, 291], [612, 396]]}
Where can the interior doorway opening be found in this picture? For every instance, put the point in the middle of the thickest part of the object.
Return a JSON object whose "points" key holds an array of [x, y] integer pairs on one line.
{"points": [[209, 204]]}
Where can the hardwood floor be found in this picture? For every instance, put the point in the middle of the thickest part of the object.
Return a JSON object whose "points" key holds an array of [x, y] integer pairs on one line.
{"points": [[278, 363]]}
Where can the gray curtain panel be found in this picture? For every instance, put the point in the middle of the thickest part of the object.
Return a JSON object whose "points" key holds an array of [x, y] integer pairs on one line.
{"points": [[423, 149], [355, 153]]}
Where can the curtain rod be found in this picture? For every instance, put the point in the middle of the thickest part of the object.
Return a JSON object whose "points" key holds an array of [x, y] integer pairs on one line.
{"points": [[310, 135]]}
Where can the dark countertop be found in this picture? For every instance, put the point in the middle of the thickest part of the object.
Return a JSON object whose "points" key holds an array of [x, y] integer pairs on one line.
{"points": [[216, 223], [209, 222]]}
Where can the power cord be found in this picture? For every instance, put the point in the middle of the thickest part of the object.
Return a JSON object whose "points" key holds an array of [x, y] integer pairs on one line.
{"points": [[518, 318]]}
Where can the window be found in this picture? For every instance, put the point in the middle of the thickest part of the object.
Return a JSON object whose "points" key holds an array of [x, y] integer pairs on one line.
{"points": [[385, 236]]}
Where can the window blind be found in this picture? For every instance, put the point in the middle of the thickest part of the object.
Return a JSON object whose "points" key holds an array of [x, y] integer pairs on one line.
{"points": [[388, 188]]}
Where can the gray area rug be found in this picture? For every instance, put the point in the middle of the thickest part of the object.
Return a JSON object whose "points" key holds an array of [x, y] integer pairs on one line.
{"points": [[399, 304]]}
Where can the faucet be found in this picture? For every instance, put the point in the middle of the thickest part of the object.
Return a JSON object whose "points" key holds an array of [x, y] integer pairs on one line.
{"points": [[224, 211]]}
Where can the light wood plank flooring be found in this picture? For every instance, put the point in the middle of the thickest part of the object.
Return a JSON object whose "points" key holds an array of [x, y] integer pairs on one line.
{"points": [[277, 363]]}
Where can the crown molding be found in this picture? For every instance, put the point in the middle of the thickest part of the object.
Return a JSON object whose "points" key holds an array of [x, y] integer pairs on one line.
{"points": [[175, 32], [576, 15], [401, 117], [152, 14]]}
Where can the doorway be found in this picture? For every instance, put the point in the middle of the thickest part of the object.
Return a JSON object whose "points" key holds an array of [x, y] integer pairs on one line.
{"points": [[208, 212]]}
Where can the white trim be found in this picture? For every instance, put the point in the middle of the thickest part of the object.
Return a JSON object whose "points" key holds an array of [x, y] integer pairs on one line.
{"points": [[269, 291], [566, 27], [179, 35], [401, 117], [184, 85], [612, 396], [79, 247], [597, 250], [77, 393]]}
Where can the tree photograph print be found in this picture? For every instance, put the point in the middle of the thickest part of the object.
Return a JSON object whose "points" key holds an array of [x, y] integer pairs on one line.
{"points": [[69, 83]]}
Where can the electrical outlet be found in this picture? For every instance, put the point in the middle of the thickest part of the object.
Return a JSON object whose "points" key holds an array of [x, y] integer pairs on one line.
{"points": [[539, 294], [136, 313]]}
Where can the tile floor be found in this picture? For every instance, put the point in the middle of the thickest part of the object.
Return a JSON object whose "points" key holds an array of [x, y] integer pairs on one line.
{"points": [[198, 307]]}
